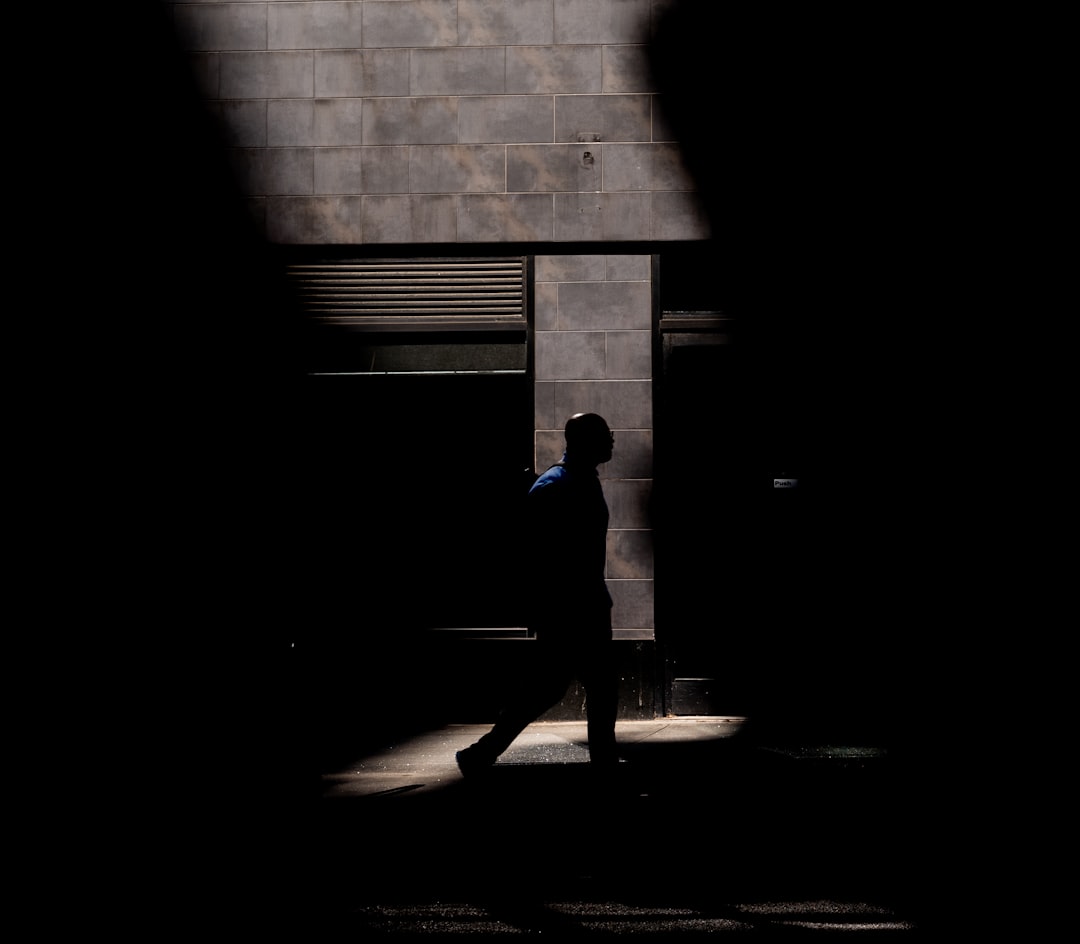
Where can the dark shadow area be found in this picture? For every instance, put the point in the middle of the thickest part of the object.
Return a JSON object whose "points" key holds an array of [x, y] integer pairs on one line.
{"points": [[181, 414], [698, 832], [197, 474], [286, 542], [413, 505], [838, 160], [802, 141], [173, 373]]}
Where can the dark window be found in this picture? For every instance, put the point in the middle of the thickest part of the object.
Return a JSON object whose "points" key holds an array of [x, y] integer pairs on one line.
{"points": [[419, 419], [414, 315]]}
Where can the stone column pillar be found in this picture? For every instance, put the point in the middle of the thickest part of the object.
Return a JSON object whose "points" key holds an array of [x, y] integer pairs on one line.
{"points": [[593, 327]]}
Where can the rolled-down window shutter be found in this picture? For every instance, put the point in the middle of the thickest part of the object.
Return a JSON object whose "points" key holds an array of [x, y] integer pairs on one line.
{"points": [[414, 295]]}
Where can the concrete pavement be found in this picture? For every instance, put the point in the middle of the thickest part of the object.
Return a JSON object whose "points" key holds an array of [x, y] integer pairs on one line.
{"points": [[424, 763], [702, 831]]}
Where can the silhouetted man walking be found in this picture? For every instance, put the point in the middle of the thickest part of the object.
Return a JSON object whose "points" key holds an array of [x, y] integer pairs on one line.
{"points": [[569, 602]]}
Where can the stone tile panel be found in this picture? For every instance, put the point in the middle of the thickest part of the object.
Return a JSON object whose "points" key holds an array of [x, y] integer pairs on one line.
{"points": [[338, 122], [406, 219], [389, 121], [571, 268], [598, 306], [545, 306], [505, 119], [290, 123], [543, 411], [243, 123], [629, 354], [633, 456], [407, 23], [633, 604], [549, 443], [570, 355], [266, 75], [505, 22], [338, 170], [515, 217], [627, 69], [679, 216], [654, 167], [216, 27], [628, 268], [460, 71], [630, 555], [593, 217], [628, 499], [552, 168], [548, 70], [602, 21], [613, 117], [385, 169], [361, 73], [274, 171], [314, 220], [661, 126], [457, 169], [326, 24]]}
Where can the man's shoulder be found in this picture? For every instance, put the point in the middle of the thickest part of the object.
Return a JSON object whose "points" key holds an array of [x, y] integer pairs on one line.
{"points": [[553, 476], [549, 476]]}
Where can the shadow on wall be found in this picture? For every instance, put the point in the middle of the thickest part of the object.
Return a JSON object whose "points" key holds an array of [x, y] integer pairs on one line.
{"points": [[181, 419], [220, 359], [280, 630], [806, 134], [797, 130]]}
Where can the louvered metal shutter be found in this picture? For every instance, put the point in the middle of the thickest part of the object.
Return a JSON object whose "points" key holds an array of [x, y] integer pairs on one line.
{"points": [[416, 294]]}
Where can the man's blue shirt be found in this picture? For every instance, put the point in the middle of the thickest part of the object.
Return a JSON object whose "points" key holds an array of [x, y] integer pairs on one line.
{"points": [[568, 518]]}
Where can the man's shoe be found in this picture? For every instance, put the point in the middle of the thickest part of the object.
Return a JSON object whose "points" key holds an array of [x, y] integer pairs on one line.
{"points": [[471, 762]]}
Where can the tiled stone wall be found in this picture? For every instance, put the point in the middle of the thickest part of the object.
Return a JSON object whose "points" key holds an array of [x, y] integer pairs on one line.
{"points": [[405, 122], [443, 121], [593, 322]]}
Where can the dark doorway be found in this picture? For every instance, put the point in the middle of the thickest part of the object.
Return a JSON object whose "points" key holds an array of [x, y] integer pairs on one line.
{"points": [[705, 526], [781, 590], [412, 483], [732, 572]]}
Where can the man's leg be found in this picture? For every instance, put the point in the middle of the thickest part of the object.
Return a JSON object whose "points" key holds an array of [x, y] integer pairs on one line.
{"points": [[543, 689], [602, 693]]}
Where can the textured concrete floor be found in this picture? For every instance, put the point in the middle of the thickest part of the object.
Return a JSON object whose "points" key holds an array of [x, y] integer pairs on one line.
{"points": [[698, 834]]}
